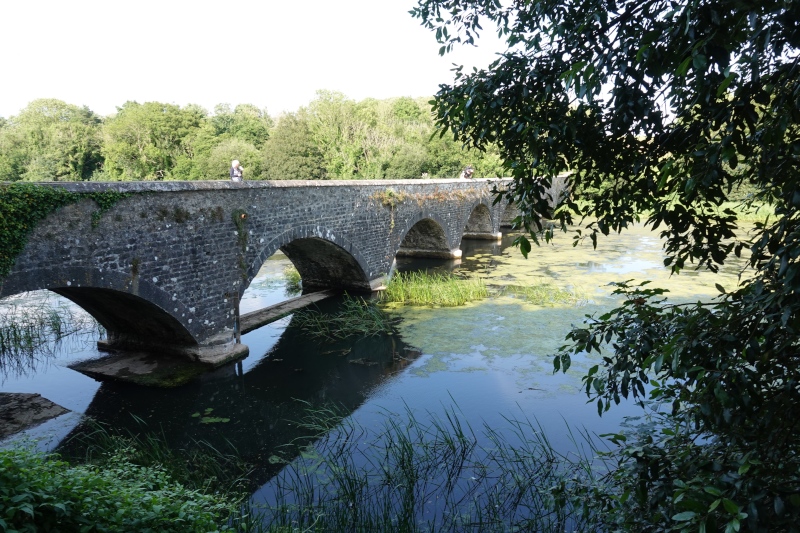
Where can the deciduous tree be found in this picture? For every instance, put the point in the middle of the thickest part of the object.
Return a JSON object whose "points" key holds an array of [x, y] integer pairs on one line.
{"points": [[663, 107]]}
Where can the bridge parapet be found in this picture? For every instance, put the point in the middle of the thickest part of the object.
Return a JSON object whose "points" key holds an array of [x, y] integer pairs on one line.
{"points": [[162, 269]]}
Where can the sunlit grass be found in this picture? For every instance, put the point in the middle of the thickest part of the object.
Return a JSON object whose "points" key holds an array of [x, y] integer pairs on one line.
{"points": [[291, 276], [434, 289]]}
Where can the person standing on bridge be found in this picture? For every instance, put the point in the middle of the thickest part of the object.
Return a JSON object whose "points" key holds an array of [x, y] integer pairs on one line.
{"points": [[237, 171]]}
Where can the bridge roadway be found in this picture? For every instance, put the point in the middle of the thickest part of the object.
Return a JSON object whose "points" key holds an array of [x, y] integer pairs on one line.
{"points": [[162, 270]]}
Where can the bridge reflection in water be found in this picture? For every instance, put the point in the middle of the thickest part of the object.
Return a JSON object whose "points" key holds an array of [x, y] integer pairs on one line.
{"points": [[262, 402]]}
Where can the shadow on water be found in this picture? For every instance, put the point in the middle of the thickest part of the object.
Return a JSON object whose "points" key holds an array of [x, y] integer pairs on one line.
{"points": [[255, 408]]}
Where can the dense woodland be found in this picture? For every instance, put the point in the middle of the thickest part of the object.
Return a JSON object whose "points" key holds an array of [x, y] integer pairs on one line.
{"points": [[332, 138]]}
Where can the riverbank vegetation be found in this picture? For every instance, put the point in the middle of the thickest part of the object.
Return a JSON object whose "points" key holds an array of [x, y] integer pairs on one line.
{"points": [[421, 472], [433, 289], [671, 111], [356, 317], [30, 333], [293, 281], [103, 480], [333, 137]]}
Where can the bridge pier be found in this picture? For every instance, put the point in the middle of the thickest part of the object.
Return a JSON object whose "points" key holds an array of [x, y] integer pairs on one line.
{"points": [[484, 236], [455, 253], [211, 354]]}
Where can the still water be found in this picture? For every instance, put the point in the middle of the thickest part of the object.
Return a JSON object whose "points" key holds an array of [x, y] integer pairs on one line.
{"points": [[488, 361]]}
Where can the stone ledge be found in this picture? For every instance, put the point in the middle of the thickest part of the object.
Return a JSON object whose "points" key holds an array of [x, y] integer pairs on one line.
{"points": [[211, 185]]}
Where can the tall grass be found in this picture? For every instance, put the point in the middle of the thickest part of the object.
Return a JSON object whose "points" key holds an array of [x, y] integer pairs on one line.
{"points": [[433, 475], [357, 317], [31, 333], [433, 289], [199, 465]]}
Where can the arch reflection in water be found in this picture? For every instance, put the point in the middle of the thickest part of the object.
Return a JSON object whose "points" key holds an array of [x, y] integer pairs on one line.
{"points": [[255, 407]]}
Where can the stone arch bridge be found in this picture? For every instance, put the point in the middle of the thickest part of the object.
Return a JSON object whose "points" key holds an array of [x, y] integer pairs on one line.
{"points": [[162, 268]]}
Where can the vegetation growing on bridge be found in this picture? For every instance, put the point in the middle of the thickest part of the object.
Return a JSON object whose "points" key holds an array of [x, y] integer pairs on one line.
{"points": [[24, 205]]}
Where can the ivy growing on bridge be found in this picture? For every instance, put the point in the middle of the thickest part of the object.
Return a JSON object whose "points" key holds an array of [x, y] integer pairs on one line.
{"points": [[24, 205]]}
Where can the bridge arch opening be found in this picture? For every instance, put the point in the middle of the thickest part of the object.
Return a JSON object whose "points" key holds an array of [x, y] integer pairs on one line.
{"points": [[479, 222], [323, 264], [130, 321], [426, 238]]}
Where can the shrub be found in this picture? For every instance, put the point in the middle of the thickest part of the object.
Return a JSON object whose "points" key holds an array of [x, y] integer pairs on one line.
{"points": [[40, 492]]}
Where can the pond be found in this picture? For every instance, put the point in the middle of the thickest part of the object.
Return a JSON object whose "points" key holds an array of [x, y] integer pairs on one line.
{"points": [[486, 365]]}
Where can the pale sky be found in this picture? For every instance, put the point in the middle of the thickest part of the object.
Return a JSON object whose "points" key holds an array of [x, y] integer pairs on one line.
{"points": [[272, 53]]}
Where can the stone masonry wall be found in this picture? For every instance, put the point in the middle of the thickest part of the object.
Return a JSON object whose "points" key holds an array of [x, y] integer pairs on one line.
{"points": [[162, 265]]}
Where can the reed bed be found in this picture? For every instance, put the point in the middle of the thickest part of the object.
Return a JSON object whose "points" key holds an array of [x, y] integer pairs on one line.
{"points": [[436, 474], [357, 317], [547, 294], [29, 334], [433, 289]]}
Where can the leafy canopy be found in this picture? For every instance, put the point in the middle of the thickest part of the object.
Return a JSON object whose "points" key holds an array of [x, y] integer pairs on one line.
{"points": [[668, 108]]}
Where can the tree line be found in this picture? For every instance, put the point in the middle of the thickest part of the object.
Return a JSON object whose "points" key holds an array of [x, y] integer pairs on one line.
{"points": [[334, 137]]}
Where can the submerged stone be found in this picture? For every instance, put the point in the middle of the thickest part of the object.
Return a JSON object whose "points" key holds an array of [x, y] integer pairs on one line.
{"points": [[21, 411], [142, 369]]}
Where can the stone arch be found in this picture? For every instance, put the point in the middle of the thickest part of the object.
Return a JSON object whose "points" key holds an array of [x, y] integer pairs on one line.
{"points": [[135, 313], [480, 220], [425, 235], [324, 259]]}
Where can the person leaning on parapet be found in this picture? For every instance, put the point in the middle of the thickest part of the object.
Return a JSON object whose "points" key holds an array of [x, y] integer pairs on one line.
{"points": [[467, 173], [237, 171]]}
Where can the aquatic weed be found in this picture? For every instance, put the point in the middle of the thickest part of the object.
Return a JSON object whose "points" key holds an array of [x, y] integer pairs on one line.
{"points": [[433, 288]]}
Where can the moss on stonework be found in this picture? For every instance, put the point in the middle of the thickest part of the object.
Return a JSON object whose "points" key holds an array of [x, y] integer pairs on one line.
{"points": [[24, 205]]}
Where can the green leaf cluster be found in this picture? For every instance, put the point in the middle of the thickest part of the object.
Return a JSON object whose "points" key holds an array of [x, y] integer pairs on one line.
{"points": [[334, 137], [662, 111], [42, 493]]}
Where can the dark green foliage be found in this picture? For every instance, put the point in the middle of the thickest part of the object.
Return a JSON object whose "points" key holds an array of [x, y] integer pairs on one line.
{"points": [[729, 373], [105, 200], [50, 141], [146, 141], [290, 153], [42, 493], [665, 108]]}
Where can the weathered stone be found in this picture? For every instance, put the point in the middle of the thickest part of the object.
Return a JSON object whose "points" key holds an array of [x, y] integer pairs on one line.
{"points": [[20, 411], [164, 266]]}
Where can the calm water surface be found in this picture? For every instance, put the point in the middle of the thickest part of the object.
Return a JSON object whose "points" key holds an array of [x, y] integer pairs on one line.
{"points": [[488, 360]]}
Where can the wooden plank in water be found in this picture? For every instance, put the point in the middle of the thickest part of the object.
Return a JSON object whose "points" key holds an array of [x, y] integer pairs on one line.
{"points": [[256, 319]]}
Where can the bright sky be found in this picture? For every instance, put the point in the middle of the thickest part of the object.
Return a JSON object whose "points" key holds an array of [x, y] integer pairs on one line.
{"points": [[271, 53]]}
